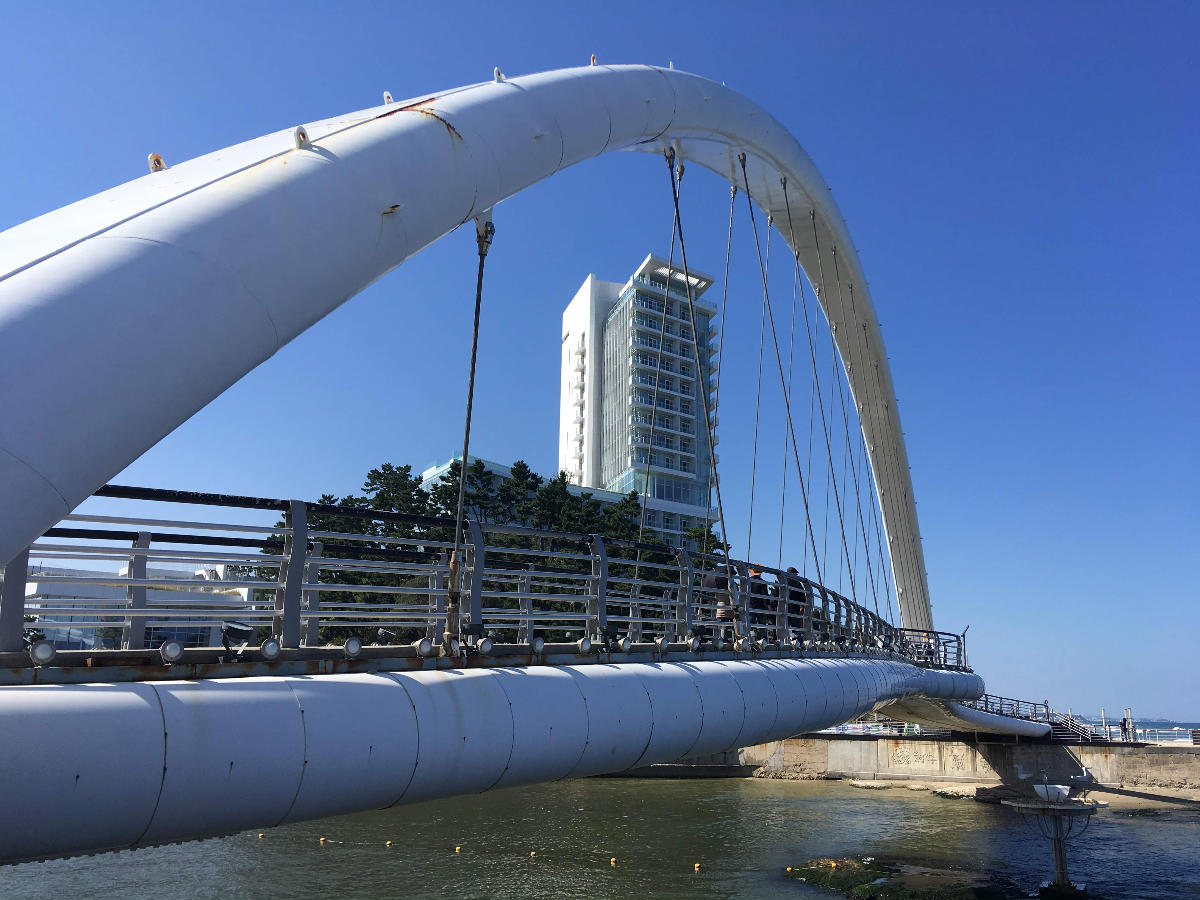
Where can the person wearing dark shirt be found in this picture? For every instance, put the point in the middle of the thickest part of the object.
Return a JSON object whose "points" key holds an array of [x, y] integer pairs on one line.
{"points": [[718, 589], [760, 598], [797, 600]]}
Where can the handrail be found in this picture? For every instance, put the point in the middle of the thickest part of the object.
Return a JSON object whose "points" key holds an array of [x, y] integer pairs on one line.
{"points": [[1037, 712], [307, 587]]}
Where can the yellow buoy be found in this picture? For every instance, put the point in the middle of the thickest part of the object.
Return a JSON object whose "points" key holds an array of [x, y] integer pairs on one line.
{"points": [[533, 853], [260, 834], [612, 861], [833, 865], [789, 868], [322, 840], [388, 844], [458, 849], [696, 868]]}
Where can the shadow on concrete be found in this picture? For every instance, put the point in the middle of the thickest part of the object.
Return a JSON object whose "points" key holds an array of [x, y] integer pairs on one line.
{"points": [[1021, 765], [1143, 795]]}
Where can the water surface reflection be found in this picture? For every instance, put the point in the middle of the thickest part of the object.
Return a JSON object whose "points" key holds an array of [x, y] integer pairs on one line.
{"points": [[743, 833]]}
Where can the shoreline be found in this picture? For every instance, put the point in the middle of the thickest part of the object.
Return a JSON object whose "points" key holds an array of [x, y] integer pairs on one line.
{"points": [[1150, 798]]}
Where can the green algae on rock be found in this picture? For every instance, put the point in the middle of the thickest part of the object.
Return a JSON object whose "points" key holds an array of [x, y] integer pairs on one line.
{"points": [[872, 879]]}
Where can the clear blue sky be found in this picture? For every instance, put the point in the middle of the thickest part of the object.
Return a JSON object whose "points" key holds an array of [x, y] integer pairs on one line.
{"points": [[1020, 180]]}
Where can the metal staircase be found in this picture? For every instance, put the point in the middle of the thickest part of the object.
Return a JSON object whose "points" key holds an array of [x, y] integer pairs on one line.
{"points": [[1064, 727]]}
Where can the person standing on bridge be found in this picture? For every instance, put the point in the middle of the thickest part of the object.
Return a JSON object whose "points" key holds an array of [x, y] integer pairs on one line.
{"points": [[797, 599], [718, 584], [760, 598]]}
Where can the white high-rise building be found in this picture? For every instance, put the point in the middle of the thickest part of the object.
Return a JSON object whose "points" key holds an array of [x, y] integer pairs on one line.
{"points": [[631, 405]]}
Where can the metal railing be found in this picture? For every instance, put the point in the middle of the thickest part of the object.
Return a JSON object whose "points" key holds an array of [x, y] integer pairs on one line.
{"points": [[321, 574], [1064, 726], [877, 725]]}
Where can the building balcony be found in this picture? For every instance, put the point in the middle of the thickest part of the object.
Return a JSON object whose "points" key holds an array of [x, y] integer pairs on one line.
{"points": [[665, 403], [682, 353], [640, 465], [577, 400], [652, 365], [677, 294], [643, 441], [673, 391]]}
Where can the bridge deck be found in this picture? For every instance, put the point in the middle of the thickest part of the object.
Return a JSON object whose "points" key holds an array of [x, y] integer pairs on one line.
{"points": [[306, 588]]}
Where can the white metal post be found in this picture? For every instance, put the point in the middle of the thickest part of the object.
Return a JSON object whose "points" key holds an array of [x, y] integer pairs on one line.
{"points": [[133, 635], [311, 632], [286, 623], [12, 603]]}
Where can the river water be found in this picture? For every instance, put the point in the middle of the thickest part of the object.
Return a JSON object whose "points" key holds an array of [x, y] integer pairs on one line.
{"points": [[743, 832]]}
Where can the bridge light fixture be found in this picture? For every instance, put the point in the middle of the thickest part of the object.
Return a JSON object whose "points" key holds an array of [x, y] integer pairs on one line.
{"points": [[171, 651], [694, 643], [584, 644], [270, 649], [452, 647], [538, 645], [423, 646], [42, 653], [353, 647], [236, 632], [623, 644], [484, 646], [718, 644]]}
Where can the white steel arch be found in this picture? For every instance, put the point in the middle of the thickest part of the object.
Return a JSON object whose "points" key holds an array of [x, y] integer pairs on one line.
{"points": [[139, 283]]}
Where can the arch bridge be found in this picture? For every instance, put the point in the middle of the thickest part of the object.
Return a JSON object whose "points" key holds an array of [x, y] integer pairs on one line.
{"points": [[575, 654]]}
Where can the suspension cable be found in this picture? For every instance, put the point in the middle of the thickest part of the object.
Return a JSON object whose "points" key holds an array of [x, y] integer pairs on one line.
{"points": [[813, 390], [846, 422], [879, 543], [708, 427], [824, 422], [872, 488], [669, 153], [791, 355], [835, 383], [720, 357], [484, 232], [779, 363], [762, 328], [875, 511]]}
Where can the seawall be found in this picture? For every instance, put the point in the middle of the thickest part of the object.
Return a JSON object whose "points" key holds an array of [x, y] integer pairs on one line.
{"points": [[985, 762]]}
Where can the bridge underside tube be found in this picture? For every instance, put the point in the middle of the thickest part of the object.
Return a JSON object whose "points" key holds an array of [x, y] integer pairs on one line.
{"points": [[104, 766], [159, 294], [957, 717]]}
